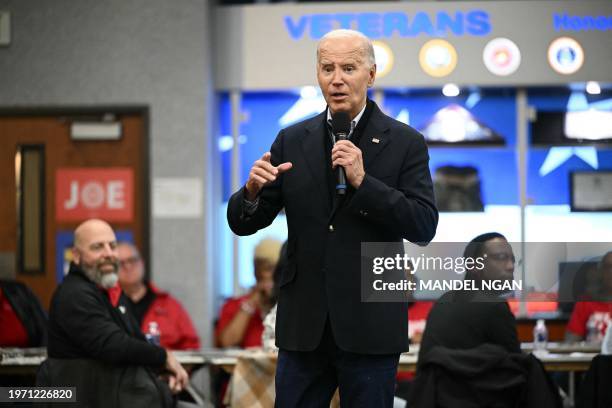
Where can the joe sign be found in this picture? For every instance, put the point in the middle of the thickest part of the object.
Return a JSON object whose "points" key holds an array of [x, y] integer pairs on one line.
{"points": [[82, 193]]}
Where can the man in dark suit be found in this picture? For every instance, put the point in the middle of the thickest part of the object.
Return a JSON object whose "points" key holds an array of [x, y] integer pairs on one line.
{"points": [[326, 335]]}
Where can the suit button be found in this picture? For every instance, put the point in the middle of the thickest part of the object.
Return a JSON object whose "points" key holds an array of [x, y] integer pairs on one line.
{"points": [[331, 228]]}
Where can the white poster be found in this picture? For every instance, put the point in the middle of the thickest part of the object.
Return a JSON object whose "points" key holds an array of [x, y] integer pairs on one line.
{"points": [[177, 197]]}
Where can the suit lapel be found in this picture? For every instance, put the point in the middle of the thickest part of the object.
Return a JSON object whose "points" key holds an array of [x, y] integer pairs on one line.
{"points": [[374, 140], [375, 137], [314, 155]]}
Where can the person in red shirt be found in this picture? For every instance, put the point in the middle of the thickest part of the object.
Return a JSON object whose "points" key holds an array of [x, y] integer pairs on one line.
{"points": [[241, 320], [23, 322], [597, 313], [417, 319], [151, 305], [418, 310]]}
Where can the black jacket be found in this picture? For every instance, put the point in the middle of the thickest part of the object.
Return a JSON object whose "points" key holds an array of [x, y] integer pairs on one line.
{"points": [[84, 324], [486, 376], [101, 385], [463, 320], [86, 330], [28, 310], [322, 278], [595, 390]]}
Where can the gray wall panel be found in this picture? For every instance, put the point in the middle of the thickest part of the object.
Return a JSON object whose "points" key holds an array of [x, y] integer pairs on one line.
{"points": [[139, 52]]}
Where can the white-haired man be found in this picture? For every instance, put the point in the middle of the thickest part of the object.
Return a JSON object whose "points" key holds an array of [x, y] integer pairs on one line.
{"points": [[328, 337]]}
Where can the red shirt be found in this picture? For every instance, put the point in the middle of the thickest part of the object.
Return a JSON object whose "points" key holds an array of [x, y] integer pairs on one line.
{"points": [[254, 330], [13, 333], [175, 326], [598, 312], [417, 318]]}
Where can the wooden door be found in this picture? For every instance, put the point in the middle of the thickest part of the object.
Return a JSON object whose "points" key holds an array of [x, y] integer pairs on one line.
{"points": [[46, 138]]}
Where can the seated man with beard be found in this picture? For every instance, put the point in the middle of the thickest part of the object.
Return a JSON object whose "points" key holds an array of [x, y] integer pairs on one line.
{"points": [[95, 344]]}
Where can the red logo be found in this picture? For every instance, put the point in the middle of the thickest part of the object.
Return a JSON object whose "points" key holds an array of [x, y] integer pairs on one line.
{"points": [[82, 193]]}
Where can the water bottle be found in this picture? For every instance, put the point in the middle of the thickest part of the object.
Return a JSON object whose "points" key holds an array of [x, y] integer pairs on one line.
{"points": [[540, 336], [153, 334], [593, 335], [606, 345]]}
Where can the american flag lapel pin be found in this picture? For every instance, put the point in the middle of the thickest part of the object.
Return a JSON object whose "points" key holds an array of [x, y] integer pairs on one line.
{"points": [[375, 140]]}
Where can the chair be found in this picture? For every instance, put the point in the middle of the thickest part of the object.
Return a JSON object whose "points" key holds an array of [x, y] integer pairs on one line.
{"points": [[483, 376], [595, 390]]}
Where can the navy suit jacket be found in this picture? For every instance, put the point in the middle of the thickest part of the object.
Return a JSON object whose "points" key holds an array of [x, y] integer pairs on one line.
{"points": [[322, 279]]}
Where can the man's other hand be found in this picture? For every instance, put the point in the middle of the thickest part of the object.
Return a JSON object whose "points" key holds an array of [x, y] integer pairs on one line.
{"points": [[178, 379]]}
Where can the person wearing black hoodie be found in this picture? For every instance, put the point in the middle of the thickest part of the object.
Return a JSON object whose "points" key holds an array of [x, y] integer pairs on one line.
{"points": [[470, 354]]}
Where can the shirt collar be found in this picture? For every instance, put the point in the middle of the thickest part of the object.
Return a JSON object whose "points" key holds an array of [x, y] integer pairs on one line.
{"points": [[354, 122]]}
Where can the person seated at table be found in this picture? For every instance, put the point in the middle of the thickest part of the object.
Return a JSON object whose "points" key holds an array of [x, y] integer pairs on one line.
{"points": [[590, 318], [22, 318], [470, 354], [94, 343], [152, 306], [241, 320], [466, 319], [418, 311], [268, 337]]}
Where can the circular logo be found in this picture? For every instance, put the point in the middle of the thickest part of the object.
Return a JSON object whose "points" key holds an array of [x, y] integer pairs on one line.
{"points": [[565, 55], [438, 58], [92, 195], [384, 58], [501, 56]]}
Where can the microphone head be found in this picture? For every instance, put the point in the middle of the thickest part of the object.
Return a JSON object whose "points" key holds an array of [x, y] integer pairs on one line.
{"points": [[341, 123]]}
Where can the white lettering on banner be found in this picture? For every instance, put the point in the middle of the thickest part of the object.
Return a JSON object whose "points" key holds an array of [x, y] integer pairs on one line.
{"points": [[115, 197], [94, 194]]}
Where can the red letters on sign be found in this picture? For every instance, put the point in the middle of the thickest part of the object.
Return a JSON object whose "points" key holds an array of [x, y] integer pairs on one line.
{"points": [[82, 193]]}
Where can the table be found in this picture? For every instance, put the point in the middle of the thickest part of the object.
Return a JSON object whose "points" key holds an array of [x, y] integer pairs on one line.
{"points": [[256, 368], [558, 357], [555, 324], [570, 362], [565, 348]]}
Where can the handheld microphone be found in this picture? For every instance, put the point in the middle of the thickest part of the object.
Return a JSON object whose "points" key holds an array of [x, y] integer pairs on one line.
{"points": [[341, 126]]}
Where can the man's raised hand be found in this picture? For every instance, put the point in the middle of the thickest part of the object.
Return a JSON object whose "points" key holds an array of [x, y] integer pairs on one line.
{"points": [[263, 173]]}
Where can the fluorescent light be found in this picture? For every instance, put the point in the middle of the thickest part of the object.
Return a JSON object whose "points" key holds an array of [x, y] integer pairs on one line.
{"points": [[588, 125], [308, 92], [593, 88], [95, 130], [472, 99], [450, 90]]}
